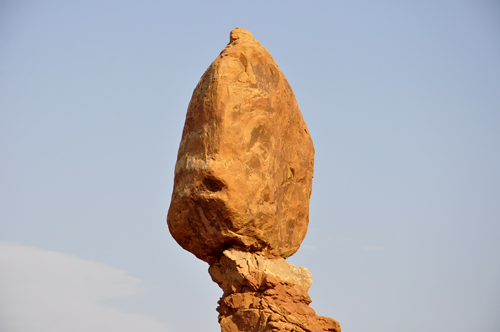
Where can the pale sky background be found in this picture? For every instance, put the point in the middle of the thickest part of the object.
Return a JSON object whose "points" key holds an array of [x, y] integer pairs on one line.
{"points": [[402, 100]]}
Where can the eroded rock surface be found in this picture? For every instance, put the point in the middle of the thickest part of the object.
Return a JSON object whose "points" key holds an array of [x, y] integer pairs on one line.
{"points": [[262, 294], [244, 170]]}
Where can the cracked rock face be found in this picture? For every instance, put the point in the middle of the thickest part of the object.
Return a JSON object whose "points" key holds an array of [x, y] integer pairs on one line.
{"points": [[243, 176], [262, 294]]}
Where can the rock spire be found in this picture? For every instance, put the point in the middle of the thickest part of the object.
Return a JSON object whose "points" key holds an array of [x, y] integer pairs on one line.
{"points": [[243, 181]]}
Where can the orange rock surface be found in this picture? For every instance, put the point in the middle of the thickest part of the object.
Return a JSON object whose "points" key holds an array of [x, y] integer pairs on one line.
{"points": [[243, 176]]}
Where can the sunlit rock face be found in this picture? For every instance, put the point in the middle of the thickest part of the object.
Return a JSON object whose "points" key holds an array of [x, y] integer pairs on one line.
{"points": [[244, 170]]}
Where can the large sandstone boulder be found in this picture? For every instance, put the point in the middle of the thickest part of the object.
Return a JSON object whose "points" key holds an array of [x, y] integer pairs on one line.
{"points": [[244, 170]]}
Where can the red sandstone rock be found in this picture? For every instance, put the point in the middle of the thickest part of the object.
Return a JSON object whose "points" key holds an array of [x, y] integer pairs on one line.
{"points": [[244, 170]]}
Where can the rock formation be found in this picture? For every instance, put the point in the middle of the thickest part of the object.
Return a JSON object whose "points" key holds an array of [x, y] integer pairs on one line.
{"points": [[243, 181]]}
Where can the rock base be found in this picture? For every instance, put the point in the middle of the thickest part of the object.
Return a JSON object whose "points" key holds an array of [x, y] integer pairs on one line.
{"points": [[262, 294]]}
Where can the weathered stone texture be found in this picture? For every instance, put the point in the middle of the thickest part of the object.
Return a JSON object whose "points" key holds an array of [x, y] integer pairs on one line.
{"points": [[262, 294], [244, 170]]}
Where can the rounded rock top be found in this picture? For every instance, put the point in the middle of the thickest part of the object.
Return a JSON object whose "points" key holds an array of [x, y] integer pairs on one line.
{"points": [[240, 33]]}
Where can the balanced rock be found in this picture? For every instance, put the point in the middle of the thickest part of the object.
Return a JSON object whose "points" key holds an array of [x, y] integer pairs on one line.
{"points": [[243, 176]]}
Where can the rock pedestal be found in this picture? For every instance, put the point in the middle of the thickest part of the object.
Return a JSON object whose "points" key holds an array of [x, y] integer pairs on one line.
{"points": [[262, 294], [243, 181]]}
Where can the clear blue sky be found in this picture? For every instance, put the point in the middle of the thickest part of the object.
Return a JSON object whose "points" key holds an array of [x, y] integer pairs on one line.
{"points": [[402, 100]]}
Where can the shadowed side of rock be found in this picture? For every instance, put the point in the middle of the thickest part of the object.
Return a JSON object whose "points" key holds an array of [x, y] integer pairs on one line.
{"points": [[262, 294]]}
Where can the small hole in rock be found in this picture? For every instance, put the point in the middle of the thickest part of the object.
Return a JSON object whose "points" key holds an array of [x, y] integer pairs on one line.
{"points": [[213, 184]]}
